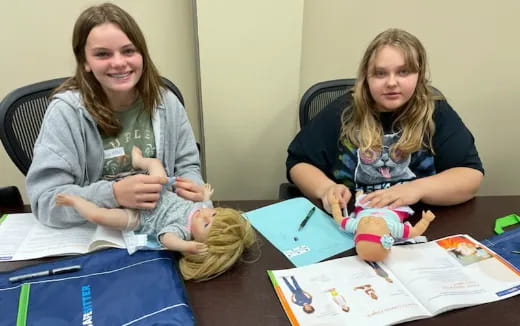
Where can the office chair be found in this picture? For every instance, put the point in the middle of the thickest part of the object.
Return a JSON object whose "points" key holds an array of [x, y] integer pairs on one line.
{"points": [[315, 99], [21, 115], [318, 96]]}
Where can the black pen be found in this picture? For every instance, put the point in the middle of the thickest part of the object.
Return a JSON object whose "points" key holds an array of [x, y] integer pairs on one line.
{"points": [[53, 271], [309, 214]]}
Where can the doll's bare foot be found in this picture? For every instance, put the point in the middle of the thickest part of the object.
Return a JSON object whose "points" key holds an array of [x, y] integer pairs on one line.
{"points": [[64, 200], [208, 191], [137, 157], [428, 215], [335, 208]]}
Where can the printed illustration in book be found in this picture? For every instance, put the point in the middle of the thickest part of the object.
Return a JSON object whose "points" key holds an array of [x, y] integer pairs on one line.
{"points": [[414, 282]]}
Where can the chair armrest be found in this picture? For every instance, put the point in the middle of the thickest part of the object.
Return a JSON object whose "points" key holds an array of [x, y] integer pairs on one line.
{"points": [[10, 198]]}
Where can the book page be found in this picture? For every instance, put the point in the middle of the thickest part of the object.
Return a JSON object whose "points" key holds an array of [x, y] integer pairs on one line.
{"points": [[453, 272], [105, 237], [23, 237], [344, 291]]}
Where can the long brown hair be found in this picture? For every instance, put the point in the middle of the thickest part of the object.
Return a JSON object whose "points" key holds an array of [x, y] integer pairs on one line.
{"points": [[360, 124], [94, 98]]}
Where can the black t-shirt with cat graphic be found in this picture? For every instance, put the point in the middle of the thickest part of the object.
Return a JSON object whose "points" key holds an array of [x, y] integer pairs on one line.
{"points": [[319, 144]]}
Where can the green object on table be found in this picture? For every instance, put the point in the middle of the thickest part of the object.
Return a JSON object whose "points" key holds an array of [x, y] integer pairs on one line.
{"points": [[23, 303], [505, 221]]}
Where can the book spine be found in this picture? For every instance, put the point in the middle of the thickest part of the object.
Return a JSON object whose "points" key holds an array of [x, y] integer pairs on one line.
{"points": [[285, 304]]}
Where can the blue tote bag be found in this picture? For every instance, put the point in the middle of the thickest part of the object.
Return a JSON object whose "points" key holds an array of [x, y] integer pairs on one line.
{"points": [[506, 245], [111, 288]]}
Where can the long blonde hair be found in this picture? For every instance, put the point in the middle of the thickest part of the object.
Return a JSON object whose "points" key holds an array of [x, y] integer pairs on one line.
{"points": [[360, 124], [94, 98], [230, 234]]}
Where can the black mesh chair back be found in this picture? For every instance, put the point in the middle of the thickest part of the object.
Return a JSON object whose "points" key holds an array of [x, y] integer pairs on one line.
{"points": [[317, 97], [21, 115]]}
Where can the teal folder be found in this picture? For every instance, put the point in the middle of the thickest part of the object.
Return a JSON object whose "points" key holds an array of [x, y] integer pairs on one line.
{"points": [[319, 239]]}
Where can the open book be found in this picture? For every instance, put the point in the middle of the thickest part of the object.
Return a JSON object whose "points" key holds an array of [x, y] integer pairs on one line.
{"points": [[414, 282], [23, 237]]}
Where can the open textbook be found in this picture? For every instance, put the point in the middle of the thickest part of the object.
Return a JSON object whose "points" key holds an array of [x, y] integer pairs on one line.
{"points": [[23, 237], [414, 282]]}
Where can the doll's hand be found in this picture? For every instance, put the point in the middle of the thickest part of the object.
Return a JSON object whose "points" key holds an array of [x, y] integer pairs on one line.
{"points": [[395, 196], [139, 191], [342, 194], [189, 190], [195, 247], [208, 191]]}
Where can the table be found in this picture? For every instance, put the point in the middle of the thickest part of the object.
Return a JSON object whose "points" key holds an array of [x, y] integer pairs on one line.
{"points": [[244, 295]]}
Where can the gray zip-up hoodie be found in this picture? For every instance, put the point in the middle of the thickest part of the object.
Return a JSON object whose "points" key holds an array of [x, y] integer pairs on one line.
{"points": [[68, 156]]}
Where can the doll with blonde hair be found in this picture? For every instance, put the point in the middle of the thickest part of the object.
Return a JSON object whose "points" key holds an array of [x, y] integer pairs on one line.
{"points": [[229, 235], [390, 136], [211, 239]]}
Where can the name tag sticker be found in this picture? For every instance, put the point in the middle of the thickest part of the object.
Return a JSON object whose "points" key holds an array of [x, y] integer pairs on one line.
{"points": [[114, 152], [300, 250]]}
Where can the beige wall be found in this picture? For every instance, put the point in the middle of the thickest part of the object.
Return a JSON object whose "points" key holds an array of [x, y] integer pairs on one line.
{"points": [[249, 64], [473, 52], [35, 37], [258, 57], [250, 72]]}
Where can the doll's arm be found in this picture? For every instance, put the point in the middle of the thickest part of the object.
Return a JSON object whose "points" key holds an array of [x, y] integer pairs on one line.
{"points": [[335, 208], [173, 242], [422, 225]]}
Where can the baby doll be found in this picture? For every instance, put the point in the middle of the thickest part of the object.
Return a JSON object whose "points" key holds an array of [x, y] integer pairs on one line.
{"points": [[374, 229], [211, 240]]}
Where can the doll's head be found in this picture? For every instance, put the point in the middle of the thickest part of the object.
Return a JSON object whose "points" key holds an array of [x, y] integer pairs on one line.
{"points": [[373, 240], [369, 226], [228, 236]]}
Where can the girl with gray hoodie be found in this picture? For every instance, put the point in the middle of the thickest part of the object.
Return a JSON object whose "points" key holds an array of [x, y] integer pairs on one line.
{"points": [[115, 101]]}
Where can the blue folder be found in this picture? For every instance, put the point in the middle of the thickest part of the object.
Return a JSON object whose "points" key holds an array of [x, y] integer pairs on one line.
{"points": [[319, 239]]}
